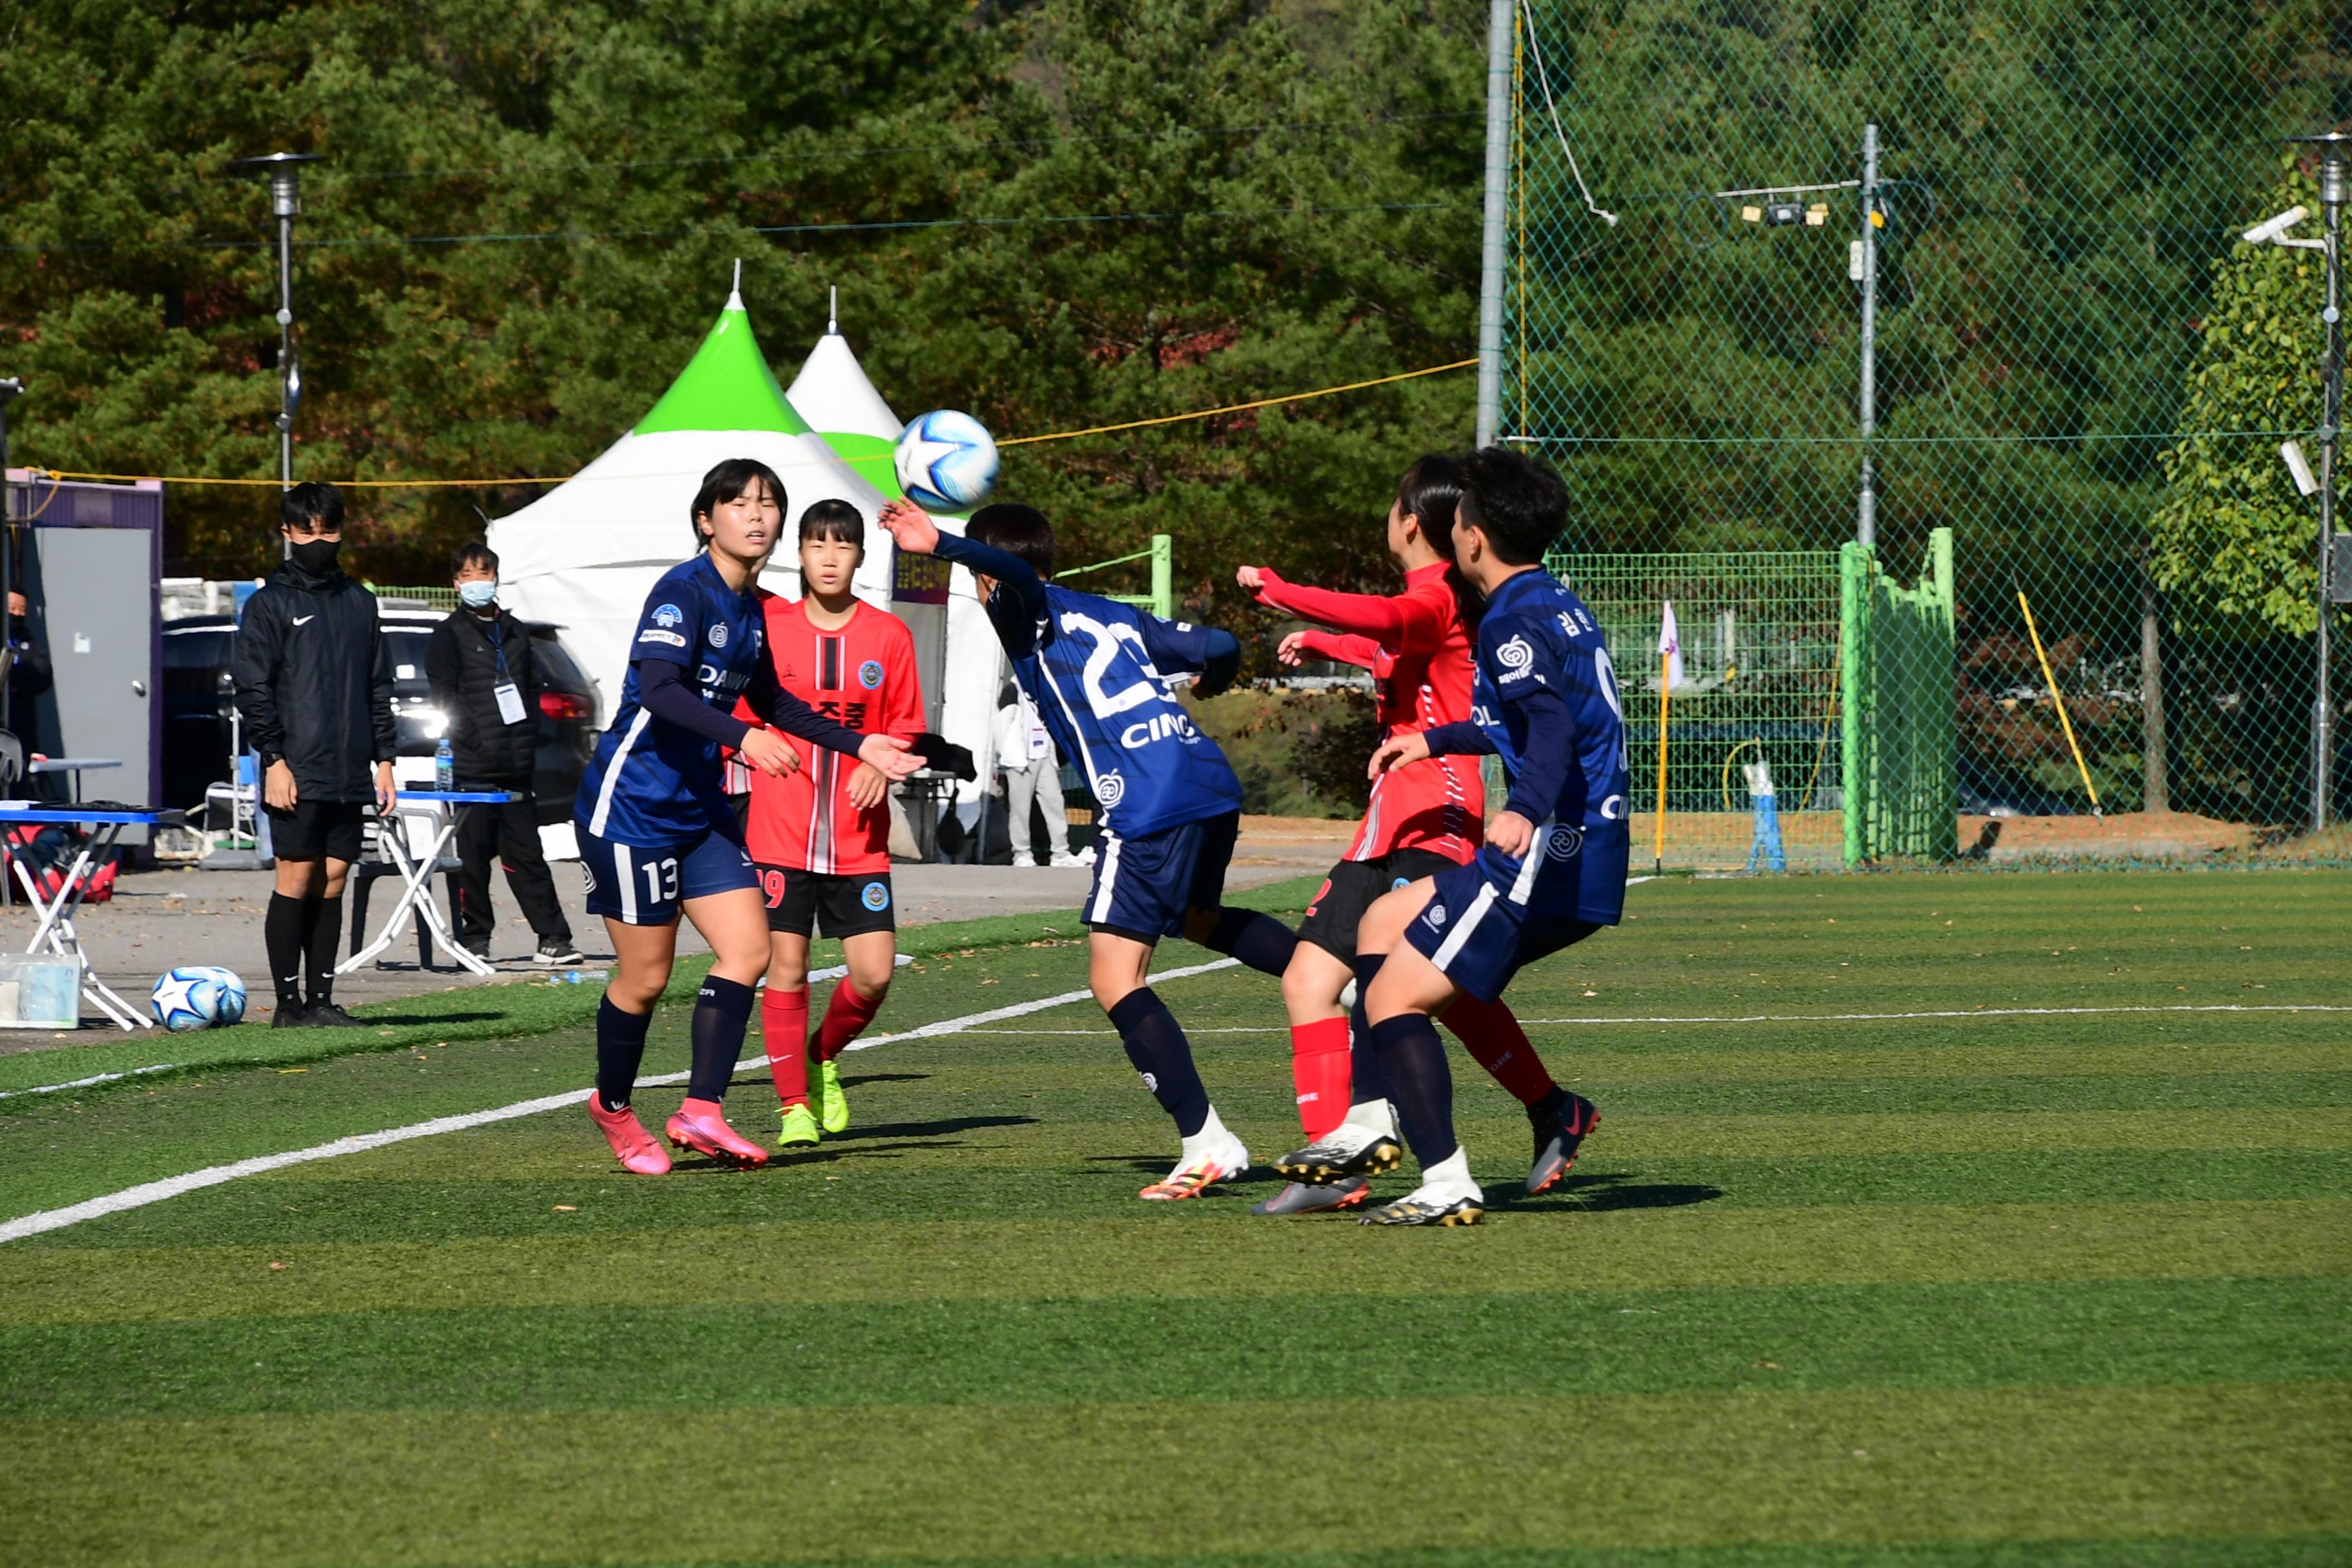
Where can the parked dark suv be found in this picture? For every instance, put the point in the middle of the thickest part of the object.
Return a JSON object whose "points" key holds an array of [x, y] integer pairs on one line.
{"points": [[198, 698], [567, 705]]}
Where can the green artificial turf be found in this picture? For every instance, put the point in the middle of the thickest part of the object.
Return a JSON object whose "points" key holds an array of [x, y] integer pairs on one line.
{"points": [[1959, 1291]]}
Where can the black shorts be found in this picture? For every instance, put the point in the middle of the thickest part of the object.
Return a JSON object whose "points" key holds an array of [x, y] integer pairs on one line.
{"points": [[1339, 906], [318, 830], [802, 902]]}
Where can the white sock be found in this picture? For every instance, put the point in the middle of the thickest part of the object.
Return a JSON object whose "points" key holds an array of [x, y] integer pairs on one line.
{"points": [[1450, 1177], [1372, 1116], [1210, 1139]]}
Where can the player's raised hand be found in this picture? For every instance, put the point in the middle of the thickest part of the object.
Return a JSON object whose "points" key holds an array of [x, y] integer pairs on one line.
{"points": [[1510, 833], [1293, 651], [1396, 752], [1251, 578], [887, 754], [911, 527], [867, 785], [769, 752]]}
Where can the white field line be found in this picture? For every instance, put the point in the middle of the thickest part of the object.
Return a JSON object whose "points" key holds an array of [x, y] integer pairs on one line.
{"points": [[1829, 1017], [148, 1193], [816, 976], [86, 1082]]}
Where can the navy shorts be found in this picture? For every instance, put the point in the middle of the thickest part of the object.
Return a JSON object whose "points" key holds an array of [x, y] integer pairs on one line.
{"points": [[1492, 917], [1143, 886], [642, 887]]}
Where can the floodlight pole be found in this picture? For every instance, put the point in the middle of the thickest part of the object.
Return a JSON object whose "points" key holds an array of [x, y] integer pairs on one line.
{"points": [[1865, 517], [1491, 258], [285, 171], [2335, 177]]}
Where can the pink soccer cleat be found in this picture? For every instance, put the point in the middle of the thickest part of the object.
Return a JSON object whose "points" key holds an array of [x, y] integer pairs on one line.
{"points": [[631, 1142], [701, 1126]]}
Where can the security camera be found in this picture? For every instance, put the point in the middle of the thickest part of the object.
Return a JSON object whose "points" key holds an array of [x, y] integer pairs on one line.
{"points": [[2306, 484], [2273, 229]]}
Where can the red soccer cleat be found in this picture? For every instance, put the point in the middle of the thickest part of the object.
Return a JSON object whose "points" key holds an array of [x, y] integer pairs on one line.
{"points": [[701, 1126], [631, 1142]]}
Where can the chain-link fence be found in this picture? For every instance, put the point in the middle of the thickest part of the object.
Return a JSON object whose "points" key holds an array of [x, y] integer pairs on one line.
{"points": [[2078, 375]]}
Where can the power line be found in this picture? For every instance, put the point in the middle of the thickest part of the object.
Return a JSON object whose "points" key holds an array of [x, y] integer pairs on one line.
{"points": [[878, 227]]}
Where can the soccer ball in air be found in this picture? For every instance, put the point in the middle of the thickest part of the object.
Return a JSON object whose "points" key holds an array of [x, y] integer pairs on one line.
{"points": [[947, 460], [198, 996]]}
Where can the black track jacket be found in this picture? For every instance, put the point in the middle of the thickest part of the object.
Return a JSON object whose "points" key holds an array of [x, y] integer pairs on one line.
{"points": [[311, 685]]}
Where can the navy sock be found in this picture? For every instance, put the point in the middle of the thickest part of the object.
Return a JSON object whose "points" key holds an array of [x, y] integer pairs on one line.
{"points": [[1371, 1079], [620, 1047], [1155, 1043], [1259, 940], [1409, 1047], [722, 1010]]}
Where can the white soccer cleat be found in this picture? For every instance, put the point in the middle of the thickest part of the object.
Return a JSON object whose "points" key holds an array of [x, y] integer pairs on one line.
{"points": [[1198, 1173]]}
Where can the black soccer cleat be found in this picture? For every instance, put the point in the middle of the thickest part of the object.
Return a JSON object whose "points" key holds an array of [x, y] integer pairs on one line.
{"points": [[327, 1016], [1560, 1128], [293, 1016], [1414, 1209], [1336, 1156]]}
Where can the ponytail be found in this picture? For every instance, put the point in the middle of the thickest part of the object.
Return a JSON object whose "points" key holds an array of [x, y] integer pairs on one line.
{"points": [[1430, 492]]}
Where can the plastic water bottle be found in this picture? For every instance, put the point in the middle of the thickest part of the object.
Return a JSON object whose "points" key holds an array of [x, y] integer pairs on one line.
{"points": [[445, 767]]}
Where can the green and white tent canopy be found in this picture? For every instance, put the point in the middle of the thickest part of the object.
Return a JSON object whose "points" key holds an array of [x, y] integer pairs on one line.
{"points": [[585, 554]]}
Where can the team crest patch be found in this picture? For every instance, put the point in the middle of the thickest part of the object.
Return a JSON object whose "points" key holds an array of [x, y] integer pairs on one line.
{"points": [[719, 634], [1436, 915], [1563, 843], [1110, 789], [869, 674], [669, 615], [1400, 882], [876, 897]]}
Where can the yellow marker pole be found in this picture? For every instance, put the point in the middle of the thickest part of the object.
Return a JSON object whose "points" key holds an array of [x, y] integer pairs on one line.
{"points": [[2063, 723], [1666, 685]]}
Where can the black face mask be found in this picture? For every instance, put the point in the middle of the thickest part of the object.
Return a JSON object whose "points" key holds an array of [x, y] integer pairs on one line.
{"points": [[316, 556]]}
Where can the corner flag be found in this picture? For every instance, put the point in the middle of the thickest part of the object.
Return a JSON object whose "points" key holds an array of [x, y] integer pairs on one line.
{"points": [[1670, 647]]}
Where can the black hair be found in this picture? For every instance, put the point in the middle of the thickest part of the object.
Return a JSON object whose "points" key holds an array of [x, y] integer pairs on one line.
{"points": [[1430, 492], [1518, 501], [474, 554], [1016, 530], [728, 482], [834, 520], [312, 501]]}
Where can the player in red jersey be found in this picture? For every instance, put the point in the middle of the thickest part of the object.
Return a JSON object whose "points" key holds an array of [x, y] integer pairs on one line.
{"points": [[1423, 819], [820, 834]]}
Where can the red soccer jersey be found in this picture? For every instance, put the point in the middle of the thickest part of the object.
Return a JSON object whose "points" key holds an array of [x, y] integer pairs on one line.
{"points": [[863, 675], [1420, 656]]}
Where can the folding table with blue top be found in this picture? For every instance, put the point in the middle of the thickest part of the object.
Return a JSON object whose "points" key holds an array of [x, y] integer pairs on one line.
{"points": [[54, 933], [440, 807]]}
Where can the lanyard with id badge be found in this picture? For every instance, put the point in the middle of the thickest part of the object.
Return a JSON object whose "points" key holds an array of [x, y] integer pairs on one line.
{"points": [[509, 695]]}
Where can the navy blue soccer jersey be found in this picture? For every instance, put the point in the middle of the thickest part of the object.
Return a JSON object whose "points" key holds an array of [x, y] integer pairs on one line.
{"points": [[1100, 672], [1545, 676], [653, 784]]}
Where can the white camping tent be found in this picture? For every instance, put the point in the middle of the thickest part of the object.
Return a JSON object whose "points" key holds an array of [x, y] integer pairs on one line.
{"points": [[585, 554], [962, 665]]}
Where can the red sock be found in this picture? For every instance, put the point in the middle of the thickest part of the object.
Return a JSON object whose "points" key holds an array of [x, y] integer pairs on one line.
{"points": [[783, 1028], [1490, 1032], [1318, 1064], [846, 1017]]}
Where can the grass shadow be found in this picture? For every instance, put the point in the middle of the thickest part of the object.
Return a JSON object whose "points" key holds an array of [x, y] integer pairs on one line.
{"points": [[1607, 1191]]}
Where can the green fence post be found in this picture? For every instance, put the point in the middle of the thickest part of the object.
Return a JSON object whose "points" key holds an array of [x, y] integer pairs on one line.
{"points": [[1853, 667], [1163, 576]]}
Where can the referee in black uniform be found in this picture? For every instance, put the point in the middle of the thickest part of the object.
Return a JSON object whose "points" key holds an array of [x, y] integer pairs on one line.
{"points": [[316, 699]]}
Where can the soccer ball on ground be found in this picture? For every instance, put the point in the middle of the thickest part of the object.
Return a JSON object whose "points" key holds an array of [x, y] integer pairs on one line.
{"points": [[946, 460], [198, 996]]}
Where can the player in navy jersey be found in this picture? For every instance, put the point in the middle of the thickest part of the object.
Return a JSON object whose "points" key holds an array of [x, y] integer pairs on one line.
{"points": [[1100, 672], [657, 837], [1552, 870]]}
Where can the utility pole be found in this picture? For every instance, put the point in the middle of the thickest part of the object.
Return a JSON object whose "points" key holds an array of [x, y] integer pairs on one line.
{"points": [[1490, 270], [10, 390], [1866, 519], [285, 171]]}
